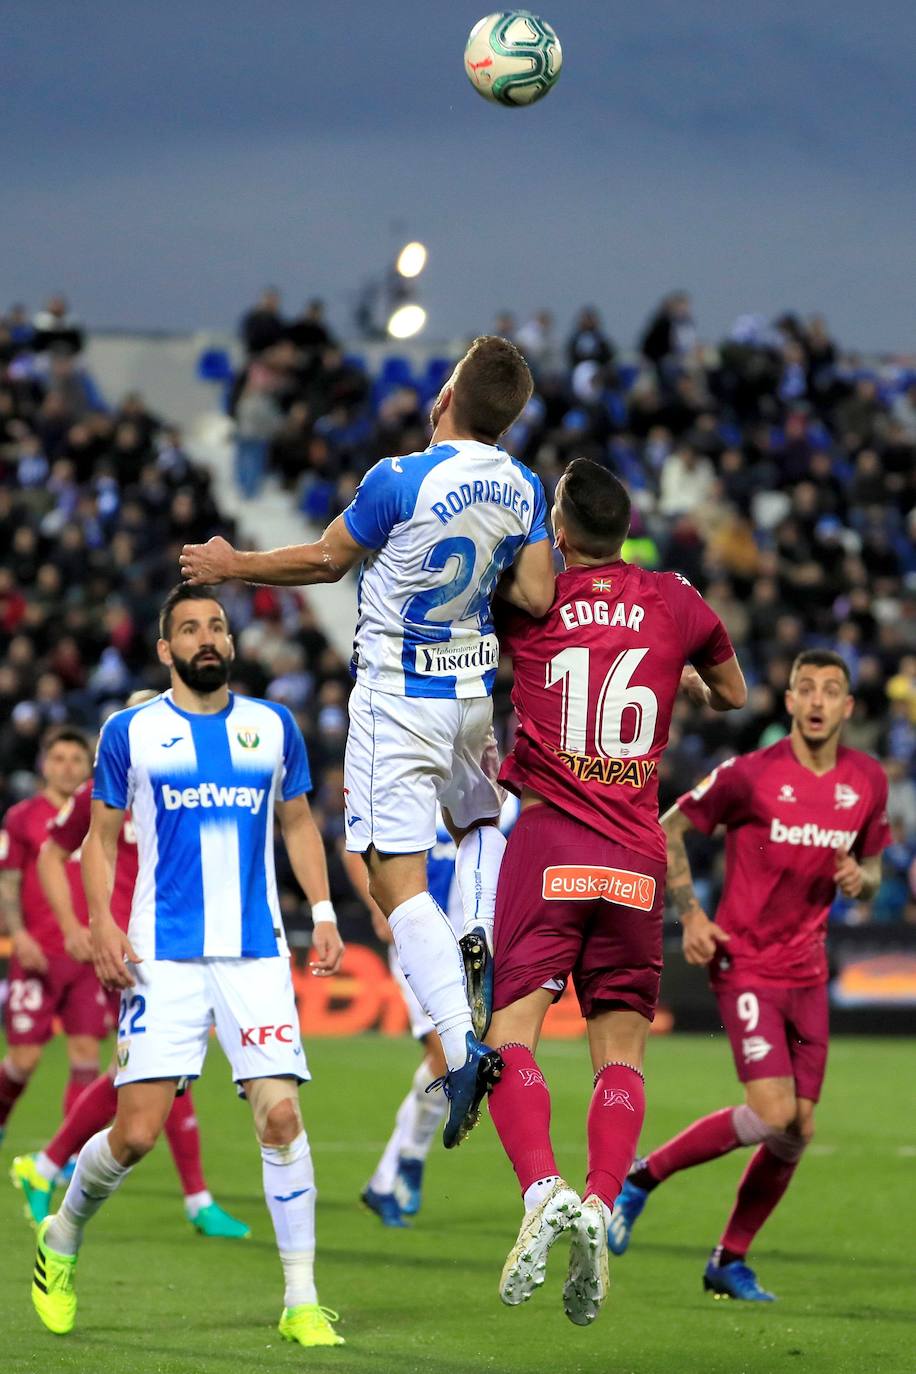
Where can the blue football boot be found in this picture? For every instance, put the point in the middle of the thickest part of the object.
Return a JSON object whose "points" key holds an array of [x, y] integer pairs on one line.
{"points": [[408, 1186], [384, 1205], [734, 1280], [478, 973], [630, 1202], [466, 1088]]}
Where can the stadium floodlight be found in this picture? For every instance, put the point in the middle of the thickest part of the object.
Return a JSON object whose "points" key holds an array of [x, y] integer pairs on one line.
{"points": [[406, 321], [411, 259]]}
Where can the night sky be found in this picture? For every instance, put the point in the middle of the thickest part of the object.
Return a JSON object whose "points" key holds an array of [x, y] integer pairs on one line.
{"points": [[163, 161]]}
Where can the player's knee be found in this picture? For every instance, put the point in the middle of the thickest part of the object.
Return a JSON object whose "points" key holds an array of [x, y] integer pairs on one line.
{"points": [[282, 1123], [275, 1106], [776, 1113], [23, 1060], [138, 1135]]}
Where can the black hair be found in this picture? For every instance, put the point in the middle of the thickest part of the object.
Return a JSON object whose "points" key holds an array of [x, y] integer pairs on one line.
{"points": [[820, 658], [65, 734], [184, 592], [595, 509]]}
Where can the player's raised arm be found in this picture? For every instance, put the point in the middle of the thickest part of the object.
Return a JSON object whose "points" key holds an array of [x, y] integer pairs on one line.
{"points": [[110, 945], [305, 848], [299, 565], [52, 874], [701, 935], [529, 584]]}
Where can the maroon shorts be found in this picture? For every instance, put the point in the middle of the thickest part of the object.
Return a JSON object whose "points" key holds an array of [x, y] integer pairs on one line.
{"points": [[571, 902], [777, 1032], [67, 990]]}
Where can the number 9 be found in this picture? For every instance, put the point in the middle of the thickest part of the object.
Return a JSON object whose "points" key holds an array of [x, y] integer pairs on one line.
{"points": [[748, 1009]]}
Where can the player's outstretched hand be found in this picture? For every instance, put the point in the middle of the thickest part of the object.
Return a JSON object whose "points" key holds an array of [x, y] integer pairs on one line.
{"points": [[207, 564], [110, 948], [848, 874], [29, 952], [701, 936], [78, 944], [327, 948]]}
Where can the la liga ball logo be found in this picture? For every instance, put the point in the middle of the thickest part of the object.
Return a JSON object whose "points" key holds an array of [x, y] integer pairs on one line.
{"points": [[248, 739]]}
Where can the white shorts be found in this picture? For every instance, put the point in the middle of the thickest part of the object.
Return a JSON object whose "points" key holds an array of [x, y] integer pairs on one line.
{"points": [[164, 1023], [405, 754]]}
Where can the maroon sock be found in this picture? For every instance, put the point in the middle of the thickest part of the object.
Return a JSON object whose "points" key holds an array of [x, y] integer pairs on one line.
{"points": [[80, 1079], [615, 1118], [708, 1138], [10, 1088], [520, 1109], [92, 1112], [762, 1184], [184, 1142]]}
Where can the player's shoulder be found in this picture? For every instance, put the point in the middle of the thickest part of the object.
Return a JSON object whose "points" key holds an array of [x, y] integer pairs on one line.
{"points": [[21, 812], [758, 761], [405, 469], [119, 722], [857, 761]]}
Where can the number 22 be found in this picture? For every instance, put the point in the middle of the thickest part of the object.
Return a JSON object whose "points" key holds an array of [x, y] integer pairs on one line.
{"points": [[132, 1008]]}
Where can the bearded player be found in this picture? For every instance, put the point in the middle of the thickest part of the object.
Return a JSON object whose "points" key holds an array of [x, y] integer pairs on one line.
{"points": [[581, 889], [36, 1174], [203, 773], [804, 820]]}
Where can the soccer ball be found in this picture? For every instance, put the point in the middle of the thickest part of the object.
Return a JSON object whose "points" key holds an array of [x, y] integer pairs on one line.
{"points": [[512, 57]]}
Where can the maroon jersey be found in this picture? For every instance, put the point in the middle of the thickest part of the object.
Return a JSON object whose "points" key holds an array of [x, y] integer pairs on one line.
{"points": [[784, 825], [25, 829], [71, 826], [595, 683]]}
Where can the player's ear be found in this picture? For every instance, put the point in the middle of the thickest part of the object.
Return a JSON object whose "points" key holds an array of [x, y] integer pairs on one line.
{"points": [[790, 701], [231, 648], [850, 706], [163, 652]]}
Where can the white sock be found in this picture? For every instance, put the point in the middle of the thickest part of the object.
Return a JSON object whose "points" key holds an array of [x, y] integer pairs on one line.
{"points": [[298, 1277], [477, 869], [425, 1116], [95, 1178], [289, 1190], [432, 964], [196, 1202], [536, 1192], [386, 1171], [46, 1167]]}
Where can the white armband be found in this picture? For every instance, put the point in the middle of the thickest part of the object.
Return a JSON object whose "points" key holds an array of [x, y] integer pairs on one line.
{"points": [[323, 911]]}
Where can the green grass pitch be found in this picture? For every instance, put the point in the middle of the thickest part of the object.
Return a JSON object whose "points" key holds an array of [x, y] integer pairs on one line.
{"points": [[157, 1299]]}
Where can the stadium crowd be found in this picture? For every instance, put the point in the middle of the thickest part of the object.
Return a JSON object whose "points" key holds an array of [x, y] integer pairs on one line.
{"points": [[775, 470]]}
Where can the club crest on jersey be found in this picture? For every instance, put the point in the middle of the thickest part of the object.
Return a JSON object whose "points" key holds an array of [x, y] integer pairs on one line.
{"points": [[123, 1054], [248, 739], [787, 793], [844, 798]]}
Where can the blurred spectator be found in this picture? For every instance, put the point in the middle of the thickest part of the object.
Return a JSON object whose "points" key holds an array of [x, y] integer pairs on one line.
{"points": [[670, 335], [263, 325]]}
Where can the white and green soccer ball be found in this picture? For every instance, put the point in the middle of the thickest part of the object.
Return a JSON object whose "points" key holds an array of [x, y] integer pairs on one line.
{"points": [[513, 57]]}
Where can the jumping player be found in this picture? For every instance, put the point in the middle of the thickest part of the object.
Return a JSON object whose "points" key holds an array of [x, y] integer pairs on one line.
{"points": [[582, 885], [202, 772], [804, 819], [435, 532], [36, 1174], [44, 981]]}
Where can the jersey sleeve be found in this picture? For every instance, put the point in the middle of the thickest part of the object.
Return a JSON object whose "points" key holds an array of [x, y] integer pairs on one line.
{"points": [[376, 505], [539, 528], [720, 799], [875, 835], [111, 780], [297, 777], [71, 824], [14, 847], [706, 640]]}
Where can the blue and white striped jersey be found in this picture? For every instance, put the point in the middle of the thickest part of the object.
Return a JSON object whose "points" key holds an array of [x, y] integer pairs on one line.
{"points": [[202, 790], [443, 526]]}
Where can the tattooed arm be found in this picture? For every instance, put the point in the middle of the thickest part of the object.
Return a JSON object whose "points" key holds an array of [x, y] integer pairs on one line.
{"points": [[701, 935]]}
